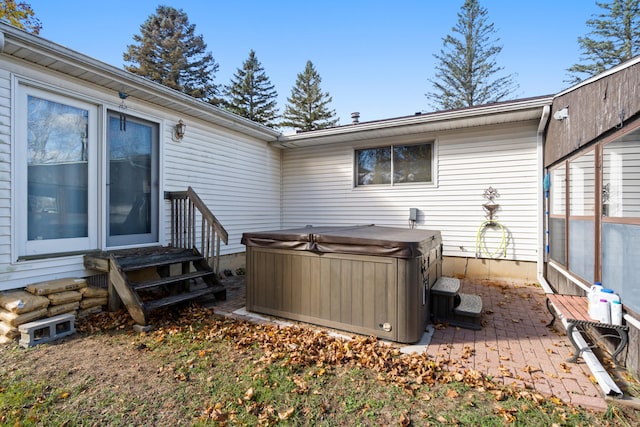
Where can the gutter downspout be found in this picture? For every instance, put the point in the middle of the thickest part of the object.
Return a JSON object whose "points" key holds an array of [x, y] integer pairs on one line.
{"points": [[606, 383], [546, 111]]}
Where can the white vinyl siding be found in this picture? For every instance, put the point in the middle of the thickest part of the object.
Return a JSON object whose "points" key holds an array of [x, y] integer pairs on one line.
{"points": [[237, 176], [5, 167], [318, 189]]}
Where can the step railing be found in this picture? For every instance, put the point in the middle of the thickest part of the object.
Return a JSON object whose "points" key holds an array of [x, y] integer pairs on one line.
{"points": [[194, 226]]}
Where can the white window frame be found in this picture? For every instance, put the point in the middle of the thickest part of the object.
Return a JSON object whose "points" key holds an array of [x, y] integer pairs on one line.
{"points": [[22, 245], [391, 146]]}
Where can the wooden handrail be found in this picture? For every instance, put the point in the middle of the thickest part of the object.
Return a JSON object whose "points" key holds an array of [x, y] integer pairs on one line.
{"points": [[186, 210]]}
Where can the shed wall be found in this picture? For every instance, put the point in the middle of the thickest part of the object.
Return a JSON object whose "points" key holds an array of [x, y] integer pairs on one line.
{"points": [[318, 188], [594, 109]]}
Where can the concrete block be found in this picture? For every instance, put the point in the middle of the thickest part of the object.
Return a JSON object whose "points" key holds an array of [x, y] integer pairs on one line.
{"points": [[46, 330]]}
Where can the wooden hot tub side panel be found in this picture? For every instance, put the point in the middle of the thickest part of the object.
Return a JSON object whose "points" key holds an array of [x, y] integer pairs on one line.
{"points": [[357, 294], [372, 295]]}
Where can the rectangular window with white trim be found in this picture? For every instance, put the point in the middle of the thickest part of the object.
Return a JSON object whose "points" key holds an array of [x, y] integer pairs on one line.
{"points": [[394, 165]]}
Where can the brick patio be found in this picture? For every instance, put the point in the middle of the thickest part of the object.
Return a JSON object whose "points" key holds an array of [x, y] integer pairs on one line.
{"points": [[513, 347]]}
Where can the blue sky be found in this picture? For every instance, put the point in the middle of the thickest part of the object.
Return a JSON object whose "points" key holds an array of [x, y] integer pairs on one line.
{"points": [[375, 57]]}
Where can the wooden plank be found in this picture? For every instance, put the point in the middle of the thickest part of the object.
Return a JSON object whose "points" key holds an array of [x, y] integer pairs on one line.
{"points": [[175, 299], [369, 298], [314, 287], [334, 284], [324, 299], [287, 285], [305, 285], [571, 306], [297, 284], [381, 299], [141, 262], [170, 280], [357, 293], [346, 300], [129, 298]]}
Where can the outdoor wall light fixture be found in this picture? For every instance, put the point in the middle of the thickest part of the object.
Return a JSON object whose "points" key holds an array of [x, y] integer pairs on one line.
{"points": [[179, 130], [561, 114]]}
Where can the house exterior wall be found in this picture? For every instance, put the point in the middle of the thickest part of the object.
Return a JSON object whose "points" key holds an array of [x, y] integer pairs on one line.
{"points": [[318, 188], [236, 175]]}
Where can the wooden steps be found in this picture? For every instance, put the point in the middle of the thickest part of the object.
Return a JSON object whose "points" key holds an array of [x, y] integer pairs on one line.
{"points": [[453, 307], [146, 279]]}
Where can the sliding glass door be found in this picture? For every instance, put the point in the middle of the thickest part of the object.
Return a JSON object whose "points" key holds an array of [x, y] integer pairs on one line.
{"points": [[132, 180]]}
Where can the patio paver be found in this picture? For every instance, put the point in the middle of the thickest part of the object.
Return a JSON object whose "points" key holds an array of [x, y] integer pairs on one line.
{"points": [[514, 345]]}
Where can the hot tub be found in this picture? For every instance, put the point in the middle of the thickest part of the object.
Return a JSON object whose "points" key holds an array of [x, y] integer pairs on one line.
{"points": [[369, 280]]}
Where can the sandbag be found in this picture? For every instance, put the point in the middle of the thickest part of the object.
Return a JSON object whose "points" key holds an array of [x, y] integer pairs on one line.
{"points": [[93, 292], [14, 319], [6, 340], [20, 301], [55, 286], [54, 310], [64, 297], [8, 331], [93, 302]]}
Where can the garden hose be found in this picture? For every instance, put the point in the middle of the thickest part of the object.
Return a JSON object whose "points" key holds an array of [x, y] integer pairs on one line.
{"points": [[480, 247]]}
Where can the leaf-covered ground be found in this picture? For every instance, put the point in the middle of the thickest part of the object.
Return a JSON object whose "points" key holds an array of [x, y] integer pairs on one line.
{"points": [[199, 369]]}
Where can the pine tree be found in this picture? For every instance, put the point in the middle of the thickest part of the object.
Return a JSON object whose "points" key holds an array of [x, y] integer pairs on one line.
{"points": [[251, 93], [307, 107], [20, 15], [169, 52], [467, 63], [614, 39]]}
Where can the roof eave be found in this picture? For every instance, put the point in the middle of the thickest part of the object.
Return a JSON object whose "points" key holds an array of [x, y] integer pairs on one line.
{"points": [[34, 49], [491, 114]]}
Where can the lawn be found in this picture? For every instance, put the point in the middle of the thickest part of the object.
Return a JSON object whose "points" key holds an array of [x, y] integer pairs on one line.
{"points": [[196, 368]]}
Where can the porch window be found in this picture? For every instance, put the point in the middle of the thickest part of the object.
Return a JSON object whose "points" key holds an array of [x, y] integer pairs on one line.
{"points": [[557, 211], [394, 165], [621, 217], [55, 173], [582, 184]]}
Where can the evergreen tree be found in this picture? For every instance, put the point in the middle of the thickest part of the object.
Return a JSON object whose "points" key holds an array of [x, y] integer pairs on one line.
{"points": [[614, 39], [467, 64], [20, 15], [307, 107], [169, 52], [251, 93]]}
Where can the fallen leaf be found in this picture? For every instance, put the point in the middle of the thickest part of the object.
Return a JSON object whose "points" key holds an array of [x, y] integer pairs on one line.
{"points": [[248, 395], [529, 369], [286, 414], [499, 395], [452, 394], [404, 420]]}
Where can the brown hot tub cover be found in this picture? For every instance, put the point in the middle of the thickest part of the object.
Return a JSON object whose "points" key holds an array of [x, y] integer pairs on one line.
{"points": [[360, 239]]}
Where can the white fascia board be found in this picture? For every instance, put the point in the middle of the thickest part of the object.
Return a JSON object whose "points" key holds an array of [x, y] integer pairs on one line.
{"points": [[30, 48], [507, 112]]}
